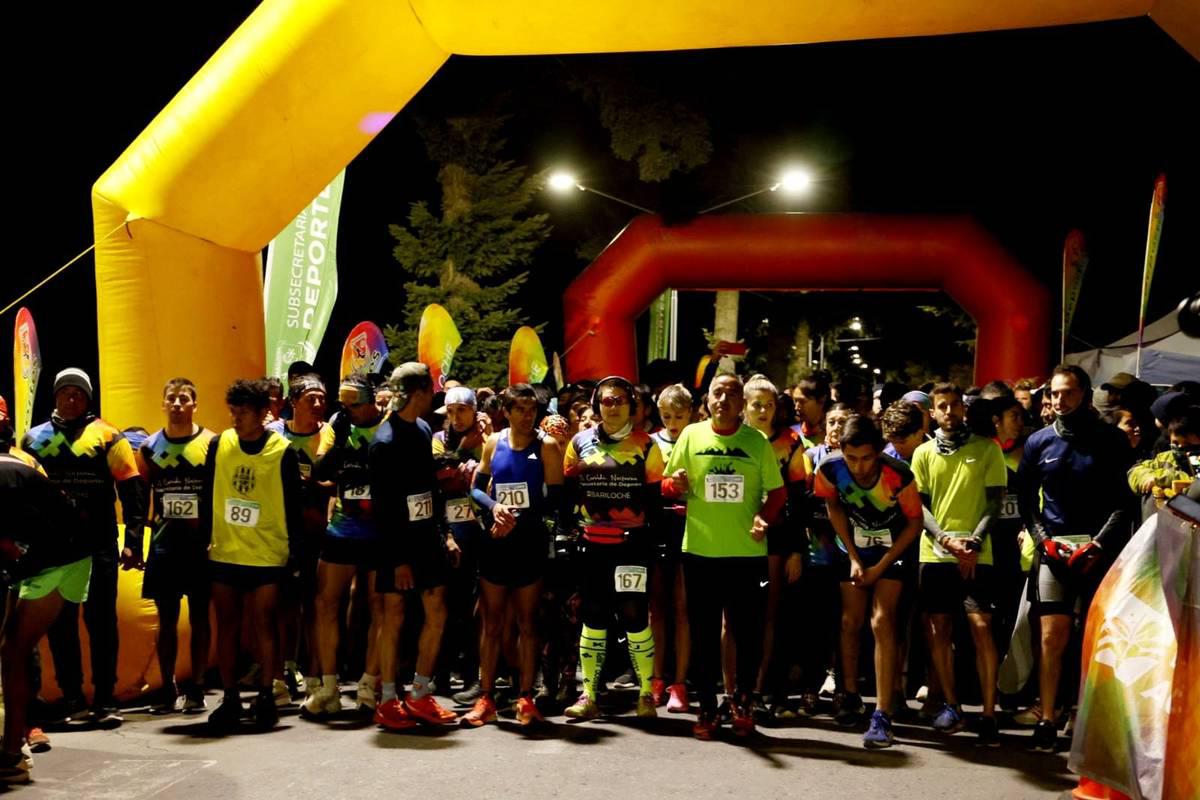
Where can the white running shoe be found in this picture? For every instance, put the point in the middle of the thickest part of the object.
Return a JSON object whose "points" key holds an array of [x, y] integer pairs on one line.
{"points": [[282, 696], [366, 696]]}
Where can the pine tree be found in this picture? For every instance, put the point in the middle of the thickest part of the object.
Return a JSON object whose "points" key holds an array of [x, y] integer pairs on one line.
{"points": [[467, 258]]}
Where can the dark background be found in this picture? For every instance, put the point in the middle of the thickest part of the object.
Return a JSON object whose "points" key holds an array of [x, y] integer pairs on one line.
{"points": [[1033, 132]]}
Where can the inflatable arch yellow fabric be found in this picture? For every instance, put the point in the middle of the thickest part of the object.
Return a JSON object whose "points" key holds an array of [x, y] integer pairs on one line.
{"points": [[303, 85]]}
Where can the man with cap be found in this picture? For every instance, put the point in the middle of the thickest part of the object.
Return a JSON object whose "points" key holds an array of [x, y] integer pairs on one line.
{"points": [[415, 552], [88, 459], [1126, 391]]}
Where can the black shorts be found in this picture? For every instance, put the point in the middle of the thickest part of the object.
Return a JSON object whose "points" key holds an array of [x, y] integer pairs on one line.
{"points": [[943, 590], [668, 537], [350, 552], [430, 567], [175, 573], [598, 570], [898, 570], [245, 578], [516, 560]]}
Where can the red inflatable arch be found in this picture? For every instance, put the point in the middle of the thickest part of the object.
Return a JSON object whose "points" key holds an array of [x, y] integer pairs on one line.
{"points": [[845, 252]]}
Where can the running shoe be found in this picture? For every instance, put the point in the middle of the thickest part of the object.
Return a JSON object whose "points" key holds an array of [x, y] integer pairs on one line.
{"points": [[930, 708], [38, 741], [392, 716], [627, 680], [69, 709], [312, 685], [321, 704], [294, 679], [949, 720], [266, 713], [193, 700], [646, 707], [483, 712], [365, 700], [15, 767], [226, 716], [106, 716], [923, 693], [989, 734], [760, 711], [1045, 737], [725, 711], [879, 734], [783, 711], [584, 708], [658, 688], [829, 687], [705, 728], [808, 704], [165, 702], [743, 720], [851, 711], [468, 695], [527, 711], [677, 702], [1031, 716], [426, 709], [280, 692]]}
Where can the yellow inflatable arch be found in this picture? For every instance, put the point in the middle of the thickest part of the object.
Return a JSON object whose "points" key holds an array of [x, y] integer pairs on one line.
{"points": [[303, 85]]}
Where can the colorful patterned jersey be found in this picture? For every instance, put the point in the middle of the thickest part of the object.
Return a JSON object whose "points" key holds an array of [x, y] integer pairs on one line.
{"points": [[175, 471], [608, 479], [885, 506], [345, 463]]}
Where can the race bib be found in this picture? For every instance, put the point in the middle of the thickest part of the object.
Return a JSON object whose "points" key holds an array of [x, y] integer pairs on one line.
{"points": [[1075, 540], [865, 539], [181, 506], [459, 510], [943, 552], [724, 488], [357, 492], [629, 579], [513, 495], [420, 506], [1008, 508], [243, 513]]}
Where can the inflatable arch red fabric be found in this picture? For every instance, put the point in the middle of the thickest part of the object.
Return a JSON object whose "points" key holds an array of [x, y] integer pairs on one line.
{"points": [[781, 252]]}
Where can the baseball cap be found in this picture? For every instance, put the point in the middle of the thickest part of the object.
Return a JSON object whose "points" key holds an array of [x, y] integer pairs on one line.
{"points": [[458, 396], [920, 398], [1119, 381]]}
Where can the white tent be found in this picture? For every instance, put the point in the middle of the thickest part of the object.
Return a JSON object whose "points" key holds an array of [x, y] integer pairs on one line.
{"points": [[1168, 355]]}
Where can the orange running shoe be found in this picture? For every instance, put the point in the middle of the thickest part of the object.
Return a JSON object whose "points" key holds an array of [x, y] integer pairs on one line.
{"points": [[428, 710], [483, 712], [391, 715], [527, 711], [705, 728]]}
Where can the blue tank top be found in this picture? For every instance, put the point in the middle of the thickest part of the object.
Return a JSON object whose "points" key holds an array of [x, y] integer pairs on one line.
{"points": [[518, 477]]}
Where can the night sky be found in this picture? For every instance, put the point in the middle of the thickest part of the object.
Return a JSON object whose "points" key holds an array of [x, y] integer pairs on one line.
{"points": [[1032, 132]]}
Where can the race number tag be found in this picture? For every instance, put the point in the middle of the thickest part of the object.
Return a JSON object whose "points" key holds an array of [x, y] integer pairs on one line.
{"points": [[459, 510], [1008, 508], [181, 506], [513, 495], [1075, 540], [420, 506], [865, 539], [724, 488], [629, 579], [243, 513], [943, 552], [357, 492]]}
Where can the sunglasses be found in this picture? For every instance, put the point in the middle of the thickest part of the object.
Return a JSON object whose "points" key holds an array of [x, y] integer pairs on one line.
{"points": [[614, 401]]}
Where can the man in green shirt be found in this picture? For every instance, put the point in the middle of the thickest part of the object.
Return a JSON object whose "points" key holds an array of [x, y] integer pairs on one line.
{"points": [[730, 479], [962, 479]]}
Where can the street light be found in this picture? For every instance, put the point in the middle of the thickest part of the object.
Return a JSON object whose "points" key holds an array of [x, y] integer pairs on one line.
{"points": [[856, 325], [561, 181], [792, 181], [853, 348], [876, 371]]}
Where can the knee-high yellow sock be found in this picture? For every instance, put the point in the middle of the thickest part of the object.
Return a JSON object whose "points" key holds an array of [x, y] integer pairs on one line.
{"points": [[641, 653], [592, 644]]}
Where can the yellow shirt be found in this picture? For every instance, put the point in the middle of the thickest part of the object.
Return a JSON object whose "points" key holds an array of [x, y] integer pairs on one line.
{"points": [[249, 525]]}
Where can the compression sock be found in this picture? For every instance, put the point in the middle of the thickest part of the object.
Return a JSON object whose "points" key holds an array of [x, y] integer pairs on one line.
{"points": [[389, 691], [592, 644], [641, 653], [420, 686]]}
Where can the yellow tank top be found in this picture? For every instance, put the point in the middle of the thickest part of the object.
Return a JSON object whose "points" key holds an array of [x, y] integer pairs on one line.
{"points": [[249, 524]]}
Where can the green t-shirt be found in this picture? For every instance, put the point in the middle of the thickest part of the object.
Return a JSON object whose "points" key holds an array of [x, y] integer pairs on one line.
{"points": [[728, 476], [956, 486]]}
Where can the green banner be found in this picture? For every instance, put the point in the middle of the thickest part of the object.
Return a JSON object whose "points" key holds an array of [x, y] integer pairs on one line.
{"points": [[662, 325], [300, 287]]}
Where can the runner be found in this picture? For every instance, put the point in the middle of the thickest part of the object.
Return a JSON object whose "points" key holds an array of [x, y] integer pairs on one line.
{"points": [[415, 553], [613, 473], [903, 426], [725, 470], [873, 506], [786, 546], [86, 458], [457, 451], [1008, 423], [519, 480], [668, 598], [351, 545], [253, 508], [307, 402], [45, 560], [962, 481], [812, 401], [172, 462], [1075, 502]]}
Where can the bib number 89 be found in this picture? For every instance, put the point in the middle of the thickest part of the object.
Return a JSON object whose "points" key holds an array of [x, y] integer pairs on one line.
{"points": [[242, 513]]}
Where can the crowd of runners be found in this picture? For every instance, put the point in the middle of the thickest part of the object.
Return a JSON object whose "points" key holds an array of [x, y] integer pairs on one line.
{"points": [[745, 553]]}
